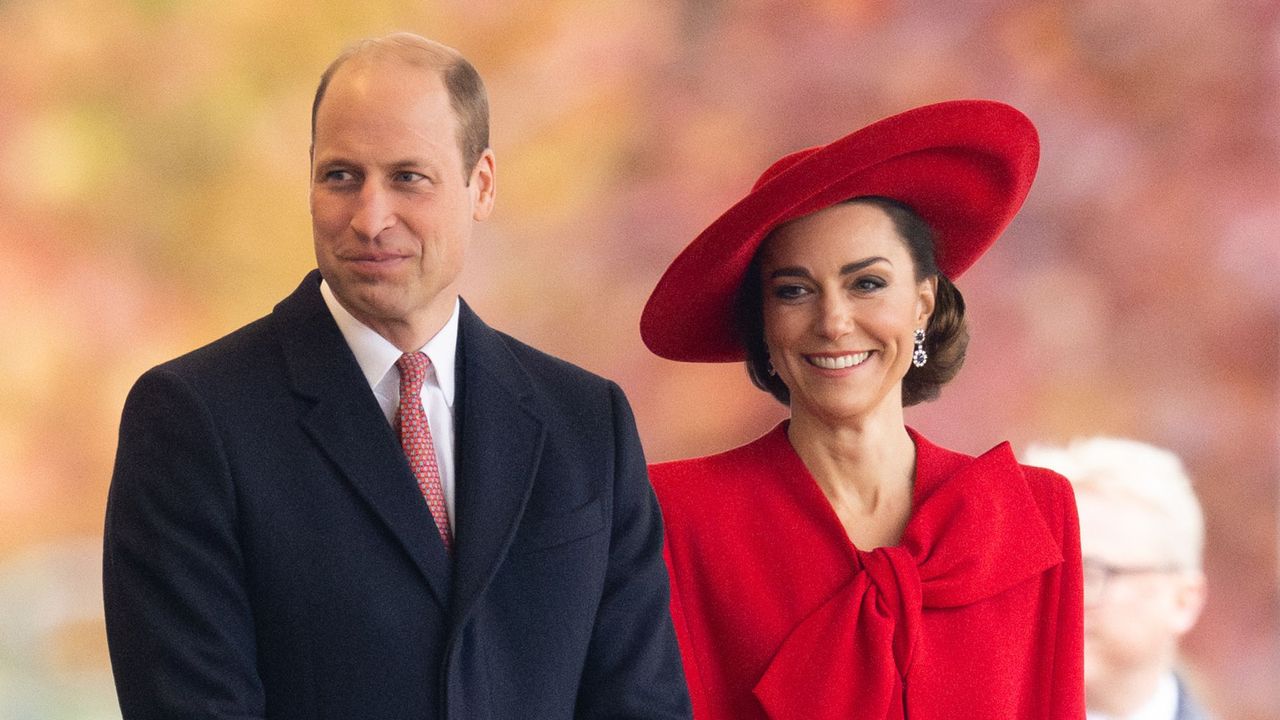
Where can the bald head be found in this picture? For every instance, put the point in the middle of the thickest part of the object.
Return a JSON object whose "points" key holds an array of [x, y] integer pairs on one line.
{"points": [[466, 90]]}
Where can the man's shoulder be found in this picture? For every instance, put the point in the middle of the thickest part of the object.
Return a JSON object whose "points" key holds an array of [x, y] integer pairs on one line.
{"points": [[548, 366], [1188, 707], [252, 350], [224, 354], [546, 372]]}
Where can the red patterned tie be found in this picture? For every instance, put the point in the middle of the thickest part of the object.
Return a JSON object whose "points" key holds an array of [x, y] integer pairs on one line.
{"points": [[415, 436]]}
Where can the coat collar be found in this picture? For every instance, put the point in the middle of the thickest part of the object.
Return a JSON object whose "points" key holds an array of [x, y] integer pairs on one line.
{"points": [[344, 420], [501, 435], [500, 431]]}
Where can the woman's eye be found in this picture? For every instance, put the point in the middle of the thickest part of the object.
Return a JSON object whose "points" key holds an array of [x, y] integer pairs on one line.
{"points": [[868, 284], [789, 292]]}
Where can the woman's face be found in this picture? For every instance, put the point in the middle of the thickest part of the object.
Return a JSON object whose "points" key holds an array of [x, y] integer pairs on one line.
{"points": [[841, 304]]}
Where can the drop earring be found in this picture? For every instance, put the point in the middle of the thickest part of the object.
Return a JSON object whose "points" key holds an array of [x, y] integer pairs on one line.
{"points": [[918, 356]]}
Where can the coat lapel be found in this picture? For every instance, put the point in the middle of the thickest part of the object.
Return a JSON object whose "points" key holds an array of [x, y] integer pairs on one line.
{"points": [[500, 443], [346, 423]]}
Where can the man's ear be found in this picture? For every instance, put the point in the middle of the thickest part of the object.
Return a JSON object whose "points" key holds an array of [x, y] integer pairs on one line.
{"points": [[1189, 599], [483, 186]]}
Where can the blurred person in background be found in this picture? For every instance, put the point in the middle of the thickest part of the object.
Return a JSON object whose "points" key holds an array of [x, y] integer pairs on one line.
{"points": [[370, 504], [1142, 538], [843, 566]]}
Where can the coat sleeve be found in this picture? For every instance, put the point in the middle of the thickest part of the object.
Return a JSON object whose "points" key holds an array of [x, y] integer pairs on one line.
{"points": [[697, 691], [179, 625], [1067, 683], [633, 663]]}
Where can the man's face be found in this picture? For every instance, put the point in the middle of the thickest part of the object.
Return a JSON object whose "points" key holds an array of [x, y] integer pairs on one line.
{"points": [[1134, 618], [392, 207]]}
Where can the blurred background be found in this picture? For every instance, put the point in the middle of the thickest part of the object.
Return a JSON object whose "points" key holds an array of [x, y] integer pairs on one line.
{"points": [[153, 196]]}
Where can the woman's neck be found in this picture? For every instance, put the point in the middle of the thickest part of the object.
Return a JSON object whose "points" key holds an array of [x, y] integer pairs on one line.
{"points": [[864, 466]]}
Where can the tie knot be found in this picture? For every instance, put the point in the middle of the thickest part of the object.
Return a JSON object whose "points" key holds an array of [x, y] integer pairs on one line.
{"points": [[413, 369]]}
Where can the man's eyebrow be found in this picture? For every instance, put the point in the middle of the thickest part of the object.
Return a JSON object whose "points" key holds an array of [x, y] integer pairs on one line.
{"points": [[333, 161], [409, 163], [414, 162]]}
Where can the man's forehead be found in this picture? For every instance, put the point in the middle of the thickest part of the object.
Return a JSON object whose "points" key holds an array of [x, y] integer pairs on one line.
{"points": [[1120, 529], [387, 90], [364, 71], [375, 115]]}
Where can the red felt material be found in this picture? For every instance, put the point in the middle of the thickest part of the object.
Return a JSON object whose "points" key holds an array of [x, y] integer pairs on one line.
{"points": [[975, 614], [965, 166]]}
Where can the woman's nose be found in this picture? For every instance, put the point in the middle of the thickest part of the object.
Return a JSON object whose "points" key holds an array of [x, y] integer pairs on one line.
{"points": [[835, 317]]}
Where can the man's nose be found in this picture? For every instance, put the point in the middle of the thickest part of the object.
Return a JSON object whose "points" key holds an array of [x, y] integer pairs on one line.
{"points": [[373, 212]]}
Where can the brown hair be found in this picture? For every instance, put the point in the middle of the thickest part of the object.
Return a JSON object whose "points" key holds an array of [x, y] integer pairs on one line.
{"points": [[467, 95], [946, 337]]}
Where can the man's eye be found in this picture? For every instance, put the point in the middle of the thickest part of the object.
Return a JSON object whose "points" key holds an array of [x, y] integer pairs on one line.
{"points": [[338, 176], [406, 176]]}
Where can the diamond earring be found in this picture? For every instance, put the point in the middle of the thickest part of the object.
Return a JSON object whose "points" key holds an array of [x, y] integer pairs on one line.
{"points": [[919, 357]]}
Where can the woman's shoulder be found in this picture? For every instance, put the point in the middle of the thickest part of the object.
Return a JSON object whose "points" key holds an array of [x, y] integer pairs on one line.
{"points": [[1051, 492], [725, 472], [697, 468]]}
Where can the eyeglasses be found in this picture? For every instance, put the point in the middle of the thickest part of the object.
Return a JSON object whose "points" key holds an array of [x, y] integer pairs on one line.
{"points": [[1098, 573]]}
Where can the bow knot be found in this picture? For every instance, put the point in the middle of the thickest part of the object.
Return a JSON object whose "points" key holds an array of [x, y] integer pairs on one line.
{"points": [[895, 578]]}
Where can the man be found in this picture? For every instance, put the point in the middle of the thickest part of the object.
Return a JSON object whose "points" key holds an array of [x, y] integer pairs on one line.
{"points": [[1142, 538], [369, 504]]}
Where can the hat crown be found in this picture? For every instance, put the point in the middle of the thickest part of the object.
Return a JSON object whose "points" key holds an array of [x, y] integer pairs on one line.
{"points": [[782, 165]]}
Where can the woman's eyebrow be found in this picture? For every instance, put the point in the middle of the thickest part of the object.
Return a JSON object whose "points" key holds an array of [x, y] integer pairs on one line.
{"points": [[853, 267]]}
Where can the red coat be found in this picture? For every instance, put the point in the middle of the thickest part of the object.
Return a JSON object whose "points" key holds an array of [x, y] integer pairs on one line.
{"points": [[975, 614]]}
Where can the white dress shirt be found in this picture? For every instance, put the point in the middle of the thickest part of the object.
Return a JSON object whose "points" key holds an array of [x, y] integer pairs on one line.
{"points": [[377, 359], [1162, 705]]}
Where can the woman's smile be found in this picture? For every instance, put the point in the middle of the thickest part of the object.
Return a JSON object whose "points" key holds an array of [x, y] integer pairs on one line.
{"points": [[829, 361]]}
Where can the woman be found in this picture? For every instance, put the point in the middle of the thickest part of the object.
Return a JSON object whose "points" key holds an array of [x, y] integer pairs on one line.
{"points": [[842, 566]]}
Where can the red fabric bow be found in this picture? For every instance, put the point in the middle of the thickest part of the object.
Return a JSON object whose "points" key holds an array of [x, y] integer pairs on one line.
{"points": [[995, 539]]}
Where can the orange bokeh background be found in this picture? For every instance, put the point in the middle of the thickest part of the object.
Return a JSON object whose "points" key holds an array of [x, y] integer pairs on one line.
{"points": [[153, 196]]}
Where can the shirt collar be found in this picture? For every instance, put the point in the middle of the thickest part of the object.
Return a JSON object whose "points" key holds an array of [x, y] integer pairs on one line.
{"points": [[376, 355], [1162, 705]]}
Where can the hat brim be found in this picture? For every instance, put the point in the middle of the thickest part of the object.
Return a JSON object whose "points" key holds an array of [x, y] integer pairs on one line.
{"points": [[964, 166]]}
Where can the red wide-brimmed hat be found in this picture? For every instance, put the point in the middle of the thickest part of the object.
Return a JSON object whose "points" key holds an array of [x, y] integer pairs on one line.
{"points": [[964, 166]]}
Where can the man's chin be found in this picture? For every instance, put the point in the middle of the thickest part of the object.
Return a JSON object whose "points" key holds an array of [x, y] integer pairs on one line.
{"points": [[369, 302]]}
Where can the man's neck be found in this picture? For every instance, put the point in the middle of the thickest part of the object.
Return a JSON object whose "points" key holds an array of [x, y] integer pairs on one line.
{"points": [[411, 332], [1120, 697]]}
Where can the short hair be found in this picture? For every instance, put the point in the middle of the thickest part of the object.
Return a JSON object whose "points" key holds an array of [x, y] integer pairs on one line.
{"points": [[1146, 476], [946, 337], [467, 95]]}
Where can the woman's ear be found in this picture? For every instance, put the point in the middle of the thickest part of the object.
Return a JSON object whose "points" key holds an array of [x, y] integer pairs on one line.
{"points": [[927, 300]]}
